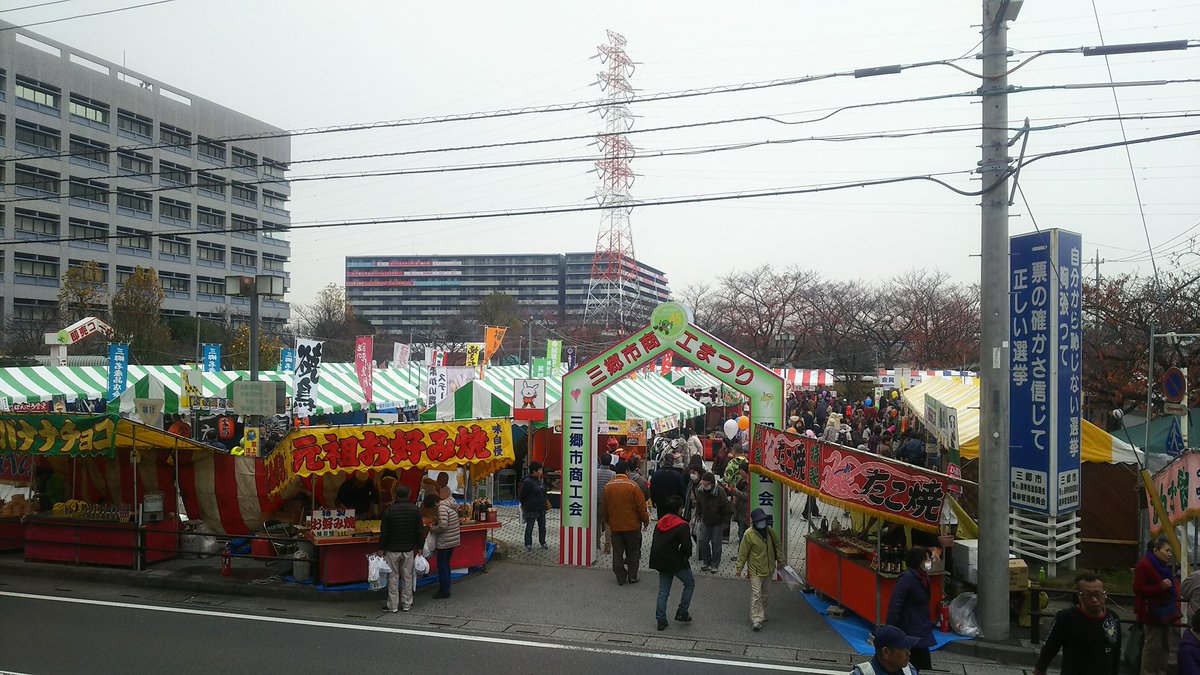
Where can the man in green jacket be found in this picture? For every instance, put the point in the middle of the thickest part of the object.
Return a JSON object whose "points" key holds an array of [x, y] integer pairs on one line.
{"points": [[760, 547]]}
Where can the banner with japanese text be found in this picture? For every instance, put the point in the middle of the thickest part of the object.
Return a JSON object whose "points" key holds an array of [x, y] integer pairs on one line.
{"points": [[364, 346], [1176, 485], [287, 360], [118, 370], [474, 354], [853, 479], [211, 358], [307, 379], [51, 435], [1045, 363], [493, 337], [436, 386], [554, 352], [483, 445], [401, 354], [571, 359], [668, 362]]}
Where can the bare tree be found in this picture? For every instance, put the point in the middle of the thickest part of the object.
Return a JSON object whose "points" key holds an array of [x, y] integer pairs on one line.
{"points": [[330, 317]]}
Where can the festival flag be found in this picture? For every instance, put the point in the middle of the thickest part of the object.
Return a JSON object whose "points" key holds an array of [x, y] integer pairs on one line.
{"points": [[287, 360], [493, 337], [364, 345], [401, 353], [554, 353], [474, 351], [118, 369], [668, 360], [212, 358], [307, 380]]}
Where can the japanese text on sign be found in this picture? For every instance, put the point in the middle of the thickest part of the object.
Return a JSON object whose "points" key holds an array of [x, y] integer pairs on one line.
{"points": [[58, 434], [333, 523], [1178, 488], [308, 377]]}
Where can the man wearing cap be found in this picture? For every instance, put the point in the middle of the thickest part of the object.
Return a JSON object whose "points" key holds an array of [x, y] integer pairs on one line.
{"points": [[891, 654], [760, 547]]}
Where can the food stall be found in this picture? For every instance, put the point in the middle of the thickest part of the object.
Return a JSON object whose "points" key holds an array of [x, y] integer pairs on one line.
{"points": [[120, 477], [340, 540], [857, 569], [16, 478]]}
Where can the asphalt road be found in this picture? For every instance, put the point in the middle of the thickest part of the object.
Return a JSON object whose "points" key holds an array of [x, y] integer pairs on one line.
{"points": [[47, 634]]}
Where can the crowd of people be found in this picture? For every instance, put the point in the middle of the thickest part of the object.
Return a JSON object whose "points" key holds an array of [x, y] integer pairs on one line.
{"points": [[876, 426]]}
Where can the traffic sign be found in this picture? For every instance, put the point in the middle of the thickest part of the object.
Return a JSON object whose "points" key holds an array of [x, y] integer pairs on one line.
{"points": [[1175, 444], [1174, 385]]}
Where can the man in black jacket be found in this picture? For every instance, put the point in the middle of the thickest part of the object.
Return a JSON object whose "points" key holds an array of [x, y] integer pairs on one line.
{"points": [[533, 505], [400, 537], [670, 550], [668, 480], [1089, 634]]}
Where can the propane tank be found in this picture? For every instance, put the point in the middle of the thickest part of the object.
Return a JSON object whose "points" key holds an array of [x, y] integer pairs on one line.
{"points": [[944, 615], [226, 562]]}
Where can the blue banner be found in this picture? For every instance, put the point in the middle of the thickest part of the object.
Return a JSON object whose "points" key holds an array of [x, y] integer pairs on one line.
{"points": [[1045, 356], [118, 370], [212, 358], [287, 360], [571, 358]]}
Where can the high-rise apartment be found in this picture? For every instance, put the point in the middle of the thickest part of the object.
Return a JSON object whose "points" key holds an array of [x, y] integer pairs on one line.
{"points": [[174, 181], [414, 292]]}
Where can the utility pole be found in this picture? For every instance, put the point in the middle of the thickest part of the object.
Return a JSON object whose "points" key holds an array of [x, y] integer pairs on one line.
{"points": [[994, 328], [1097, 269]]}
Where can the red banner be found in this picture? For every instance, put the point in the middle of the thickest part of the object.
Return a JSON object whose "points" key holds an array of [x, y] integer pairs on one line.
{"points": [[363, 347], [856, 480], [16, 467]]}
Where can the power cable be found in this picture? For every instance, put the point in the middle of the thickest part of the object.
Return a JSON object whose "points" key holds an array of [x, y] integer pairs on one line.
{"points": [[40, 4], [83, 16]]}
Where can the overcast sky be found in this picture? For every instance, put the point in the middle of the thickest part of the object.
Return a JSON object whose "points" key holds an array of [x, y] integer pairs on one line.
{"points": [[301, 63]]}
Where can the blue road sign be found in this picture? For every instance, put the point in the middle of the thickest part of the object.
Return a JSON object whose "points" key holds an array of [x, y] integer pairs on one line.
{"points": [[1175, 444]]}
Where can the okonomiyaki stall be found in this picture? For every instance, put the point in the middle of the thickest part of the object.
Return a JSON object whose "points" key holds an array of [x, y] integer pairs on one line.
{"points": [[342, 543], [100, 512], [856, 569]]}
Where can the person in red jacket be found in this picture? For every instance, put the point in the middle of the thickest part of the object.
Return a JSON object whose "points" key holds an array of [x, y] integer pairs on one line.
{"points": [[670, 550], [1156, 604]]}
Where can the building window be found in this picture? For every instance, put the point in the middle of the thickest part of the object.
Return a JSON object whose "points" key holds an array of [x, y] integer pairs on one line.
{"points": [[123, 275], [134, 126], [246, 195], [274, 263], [89, 153], [174, 248], [33, 181], [88, 111], [175, 139], [3, 124], [89, 193], [210, 218], [174, 212], [38, 95], [37, 139], [244, 260], [210, 255], [97, 276], [274, 202], [134, 164], [272, 232], [243, 227], [210, 288], [89, 234], [211, 150], [39, 270], [175, 285], [245, 161], [35, 224], [34, 311], [173, 174], [211, 184], [133, 203], [133, 242], [273, 169]]}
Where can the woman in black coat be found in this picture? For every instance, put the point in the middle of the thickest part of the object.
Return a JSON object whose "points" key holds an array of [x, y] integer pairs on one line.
{"points": [[909, 609]]}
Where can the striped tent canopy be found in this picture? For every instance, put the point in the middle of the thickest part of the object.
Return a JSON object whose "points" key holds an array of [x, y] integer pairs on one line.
{"points": [[647, 397], [470, 401], [695, 378], [962, 394], [33, 384], [805, 379]]}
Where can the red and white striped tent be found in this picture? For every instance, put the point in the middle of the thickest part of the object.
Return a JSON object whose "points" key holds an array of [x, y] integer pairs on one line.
{"points": [[806, 379]]}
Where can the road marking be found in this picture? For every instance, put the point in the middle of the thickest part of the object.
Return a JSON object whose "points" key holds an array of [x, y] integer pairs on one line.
{"points": [[431, 634]]}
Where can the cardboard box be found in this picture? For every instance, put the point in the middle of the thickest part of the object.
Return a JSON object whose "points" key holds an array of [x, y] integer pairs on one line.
{"points": [[1018, 575], [966, 559]]}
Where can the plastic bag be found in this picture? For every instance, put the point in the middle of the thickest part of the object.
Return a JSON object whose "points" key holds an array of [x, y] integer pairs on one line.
{"points": [[430, 545], [791, 578], [377, 572], [962, 615], [421, 565]]}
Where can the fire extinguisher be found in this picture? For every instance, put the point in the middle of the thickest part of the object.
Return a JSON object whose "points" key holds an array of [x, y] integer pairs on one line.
{"points": [[944, 616], [226, 562]]}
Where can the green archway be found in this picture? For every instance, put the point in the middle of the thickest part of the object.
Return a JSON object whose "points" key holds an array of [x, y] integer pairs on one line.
{"points": [[671, 330]]}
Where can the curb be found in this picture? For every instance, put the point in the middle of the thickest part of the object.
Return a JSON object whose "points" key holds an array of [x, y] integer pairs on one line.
{"points": [[1010, 653]]}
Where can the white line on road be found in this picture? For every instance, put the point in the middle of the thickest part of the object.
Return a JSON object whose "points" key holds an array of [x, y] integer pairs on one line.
{"points": [[432, 634]]}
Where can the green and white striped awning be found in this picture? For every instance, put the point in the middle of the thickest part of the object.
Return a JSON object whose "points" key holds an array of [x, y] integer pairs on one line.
{"points": [[650, 397], [469, 402]]}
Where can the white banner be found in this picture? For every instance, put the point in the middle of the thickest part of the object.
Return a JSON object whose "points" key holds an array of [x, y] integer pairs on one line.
{"points": [[437, 385], [401, 353], [307, 377]]}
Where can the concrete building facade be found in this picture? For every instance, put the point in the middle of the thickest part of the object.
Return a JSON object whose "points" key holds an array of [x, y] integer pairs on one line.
{"points": [[417, 292], [155, 176]]}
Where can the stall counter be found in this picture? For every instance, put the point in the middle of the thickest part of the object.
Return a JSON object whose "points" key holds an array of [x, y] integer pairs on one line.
{"points": [[343, 560], [851, 582], [12, 534], [99, 542]]}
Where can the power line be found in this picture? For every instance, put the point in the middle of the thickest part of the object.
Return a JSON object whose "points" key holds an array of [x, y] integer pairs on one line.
{"points": [[83, 16], [40, 4]]}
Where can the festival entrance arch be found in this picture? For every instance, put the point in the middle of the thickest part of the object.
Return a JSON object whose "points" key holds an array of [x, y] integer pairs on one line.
{"points": [[670, 330]]}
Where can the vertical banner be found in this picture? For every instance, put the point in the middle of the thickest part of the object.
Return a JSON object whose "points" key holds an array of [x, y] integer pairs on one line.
{"points": [[364, 346], [436, 384], [474, 352], [211, 358], [307, 379], [493, 337], [401, 355], [1045, 356], [118, 370], [540, 368], [554, 352], [668, 362], [191, 388], [287, 360], [571, 359]]}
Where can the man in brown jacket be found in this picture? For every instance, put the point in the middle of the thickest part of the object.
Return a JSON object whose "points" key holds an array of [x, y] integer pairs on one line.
{"points": [[624, 510]]}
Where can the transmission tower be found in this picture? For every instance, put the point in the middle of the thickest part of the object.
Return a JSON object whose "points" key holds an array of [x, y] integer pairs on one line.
{"points": [[612, 292]]}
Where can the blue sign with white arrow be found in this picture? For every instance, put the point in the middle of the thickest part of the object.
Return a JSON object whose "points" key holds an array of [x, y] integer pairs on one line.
{"points": [[1175, 445]]}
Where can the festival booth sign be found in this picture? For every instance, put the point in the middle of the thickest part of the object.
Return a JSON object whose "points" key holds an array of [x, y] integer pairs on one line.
{"points": [[1176, 485], [852, 572], [482, 446]]}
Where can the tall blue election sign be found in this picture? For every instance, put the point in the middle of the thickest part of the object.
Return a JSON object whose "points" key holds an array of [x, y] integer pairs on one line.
{"points": [[1045, 360], [118, 370]]}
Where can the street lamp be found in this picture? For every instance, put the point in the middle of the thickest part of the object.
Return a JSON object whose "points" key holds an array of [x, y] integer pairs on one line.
{"points": [[251, 287]]}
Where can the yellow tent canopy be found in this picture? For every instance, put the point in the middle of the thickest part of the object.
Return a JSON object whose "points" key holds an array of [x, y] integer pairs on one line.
{"points": [[962, 394]]}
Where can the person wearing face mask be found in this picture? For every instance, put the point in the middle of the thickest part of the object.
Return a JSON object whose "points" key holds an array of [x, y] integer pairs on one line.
{"points": [[713, 506], [694, 471], [909, 609], [760, 547], [1089, 634]]}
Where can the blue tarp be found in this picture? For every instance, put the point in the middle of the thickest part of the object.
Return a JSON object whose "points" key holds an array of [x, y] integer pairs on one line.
{"points": [[856, 630]]}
